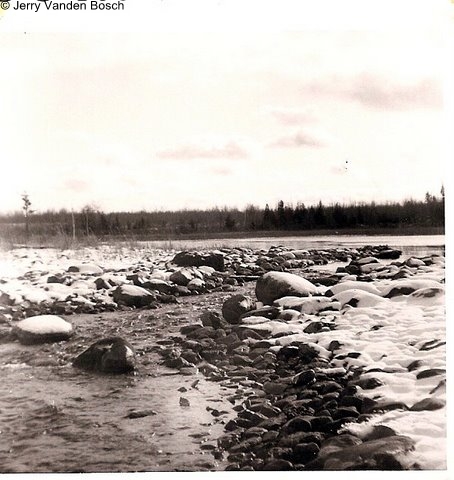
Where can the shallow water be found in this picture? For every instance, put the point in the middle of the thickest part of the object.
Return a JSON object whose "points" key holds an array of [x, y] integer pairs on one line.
{"points": [[54, 418]]}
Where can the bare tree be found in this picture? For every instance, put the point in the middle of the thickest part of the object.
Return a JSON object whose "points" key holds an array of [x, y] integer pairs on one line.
{"points": [[26, 204]]}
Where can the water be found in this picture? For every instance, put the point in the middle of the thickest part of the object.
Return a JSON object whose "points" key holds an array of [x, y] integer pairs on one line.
{"points": [[417, 245], [55, 418]]}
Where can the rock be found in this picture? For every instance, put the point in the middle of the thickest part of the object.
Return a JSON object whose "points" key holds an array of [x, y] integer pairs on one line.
{"points": [[196, 284], [373, 454], [140, 413], [87, 268], [370, 383], [304, 378], [428, 404], [305, 452], [274, 285], [408, 286], [182, 277], [289, 315], [431, 372], [298, 424], [101, 283], [184, 402], [42, 329], [109, 355], [267, 311], [274, 388], [379, 431], [196, 259], [133, 296], [159, 285], [388, 254], [414, 262], [278, 465], [235, 306], [358, 298], [212, 319], [352, 284]]}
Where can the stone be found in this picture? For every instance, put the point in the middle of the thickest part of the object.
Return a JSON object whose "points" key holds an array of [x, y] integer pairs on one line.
{"points": [[109, 355], [278, 465], [133, 296], [352, 284], [431, 372], [274, 285], [305, 452], [289, 315], [370, 383], [197, 259], [86, 268], [388, 254], [268, 312], [373, 454], [235, 306], [196, 284], [160, 286], [298, 424], [304, 378], [182, 277], [42, 329], [275, 388], [414, 262], [428, 403]]}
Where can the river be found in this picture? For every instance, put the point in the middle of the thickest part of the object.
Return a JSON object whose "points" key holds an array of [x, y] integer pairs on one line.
{"points": [[56, 419]]}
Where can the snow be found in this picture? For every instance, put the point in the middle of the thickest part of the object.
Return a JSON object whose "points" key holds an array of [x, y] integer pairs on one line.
{"points": [[44, 324]]}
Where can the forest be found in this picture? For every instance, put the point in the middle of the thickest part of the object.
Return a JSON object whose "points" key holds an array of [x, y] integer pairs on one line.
{"points": [[282, 217]]}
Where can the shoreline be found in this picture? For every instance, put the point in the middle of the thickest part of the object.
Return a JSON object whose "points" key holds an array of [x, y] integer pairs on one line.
{"points": [[300, 369]]}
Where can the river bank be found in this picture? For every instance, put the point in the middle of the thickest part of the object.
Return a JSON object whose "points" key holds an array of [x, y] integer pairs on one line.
{"points": [[271, 389]]}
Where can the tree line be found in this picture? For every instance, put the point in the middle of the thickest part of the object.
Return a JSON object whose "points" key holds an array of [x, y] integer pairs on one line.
{"points": [[429, 212]]}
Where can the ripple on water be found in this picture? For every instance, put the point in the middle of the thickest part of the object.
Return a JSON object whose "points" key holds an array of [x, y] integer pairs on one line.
{"points": [[59, 419]]}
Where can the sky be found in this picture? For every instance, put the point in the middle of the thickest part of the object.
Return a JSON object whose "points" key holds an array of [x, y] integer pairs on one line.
{"points": [[203, 114]]}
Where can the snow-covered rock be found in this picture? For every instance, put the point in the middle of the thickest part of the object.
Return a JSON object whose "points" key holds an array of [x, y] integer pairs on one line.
{"points": [[274, 285], [42, 329]]}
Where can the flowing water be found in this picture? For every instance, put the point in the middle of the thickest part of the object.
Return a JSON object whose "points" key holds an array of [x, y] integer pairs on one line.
{"points": [[54, 418]]}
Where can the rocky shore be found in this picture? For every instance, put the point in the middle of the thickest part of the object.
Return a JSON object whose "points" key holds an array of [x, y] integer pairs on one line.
{"points": [[335, 358]]}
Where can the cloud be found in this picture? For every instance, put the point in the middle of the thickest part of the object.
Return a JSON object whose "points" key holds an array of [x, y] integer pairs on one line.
{"points": [[292, 116], [76, 185], [382, 93], [300, 139], [229, 150], [377, 91]]}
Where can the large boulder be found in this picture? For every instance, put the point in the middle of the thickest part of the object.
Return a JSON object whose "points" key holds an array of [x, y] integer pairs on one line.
{"points": [[109, 355], [235, 306], [274, 285], [133, 296], [42, 329], [197, 259]]}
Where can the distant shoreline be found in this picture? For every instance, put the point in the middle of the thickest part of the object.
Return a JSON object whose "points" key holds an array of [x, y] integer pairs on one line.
{"points": [[406, 231]]}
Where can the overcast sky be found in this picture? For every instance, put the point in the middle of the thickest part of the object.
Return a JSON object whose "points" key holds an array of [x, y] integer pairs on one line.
{"points": [[130, 121]]}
